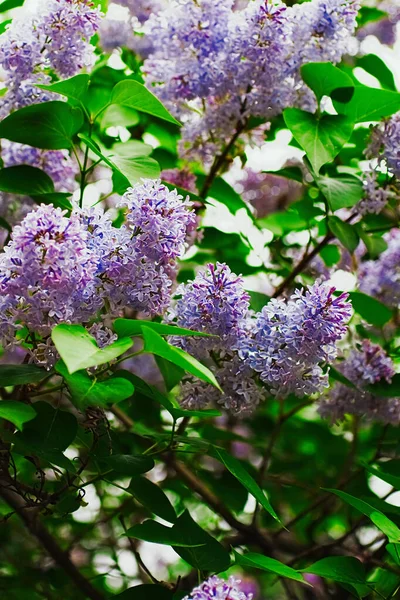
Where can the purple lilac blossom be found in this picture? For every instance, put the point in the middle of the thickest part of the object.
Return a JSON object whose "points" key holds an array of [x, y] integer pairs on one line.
{"points": [[375, 196], [143, 9], [290, 340], [365, 366], [229, 63], [181, 178], [385, 143], [219, 589], [381, 277]]}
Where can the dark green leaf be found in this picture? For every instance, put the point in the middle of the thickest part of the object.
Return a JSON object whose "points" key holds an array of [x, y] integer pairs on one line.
{"points": [[10, 4], [127, 465], [385, 389], [369, 104], [323, 78], [152, 497], [58, 199], [133, 94], [51, 429], [345, 233], [20, 374], [147, 591], [344, 569], [132, 327], [155, 344], [370, 309], [379, 471], [49, 125], [16, 412], [321, 137], [236, 468], [25, 180], [209, 556], [376, 67], [79, 349], [341, 192], [259, 561], [394, 551], [338, 376], [294, 173], [172, 374], [152, 531], [330, 255]]}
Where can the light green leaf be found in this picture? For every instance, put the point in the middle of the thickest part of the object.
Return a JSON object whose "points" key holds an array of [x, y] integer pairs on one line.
{"points": [[321, 137], [74, 88], [259, 561], [341, 192], [133, 327], [79, 349], [368, 104], [235, 467], [133, 94], [155, 344], [370, 309], [16, 412], [323, 78]]}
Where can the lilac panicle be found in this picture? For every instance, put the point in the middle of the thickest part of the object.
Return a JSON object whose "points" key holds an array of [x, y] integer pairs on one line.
{"points": [[290, 340], [365, 366], [385, 143], [375, 197], [219, 589], [381, 277]]}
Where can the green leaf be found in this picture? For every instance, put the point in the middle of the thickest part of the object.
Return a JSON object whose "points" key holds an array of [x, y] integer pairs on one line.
{"points": [[293, 173], [20, 374], [74, 88], [51, 429], [394, 551], [155, 344], [375, 243], [368, 104], [345, 233], [323, 78], [152, 531], [338, 376], [344, 569], [172, 374], [259, 561], [86, 391], [385, 389], [380, 470], [133, 94], [376, 67], [152, 497], [48, 125], [207, 554], [16, 412], [10, 4], [377, 517], [321, 137], [341, 192], [147, 591], [223, 192], [235, 467], [132, 149], [79, 349], [370, 309], [134, 169], [127, 465], [330, 255], [119, 116], [25, 180], [133, 327]]}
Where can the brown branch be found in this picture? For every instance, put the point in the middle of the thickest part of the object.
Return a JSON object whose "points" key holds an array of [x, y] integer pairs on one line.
{"points": [[30, 518]]}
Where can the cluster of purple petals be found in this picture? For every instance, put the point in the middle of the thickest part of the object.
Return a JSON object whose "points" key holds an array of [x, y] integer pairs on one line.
{"points": [[375, 197], [365, 366], [56, 163], [219, 589], [59, 269], [290, 340], [385, 143], [57, 37], [385, 29], [213, 65], [381, 278], [143, 9]]}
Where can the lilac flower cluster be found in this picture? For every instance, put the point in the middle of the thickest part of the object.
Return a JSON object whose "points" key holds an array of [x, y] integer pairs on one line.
{"points": [[365, 366], [284, 345], [375, 196], [385, 143], [57, 37], [219, 589], [381, 278], [291, 339], [59, 269], [385, 29], [214, 66]]}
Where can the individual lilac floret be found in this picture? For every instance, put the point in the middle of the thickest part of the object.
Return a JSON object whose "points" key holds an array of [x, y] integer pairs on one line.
{"points": [[159, 219], [219, 589], [214, 302], [49, 269], [56, 163], [381, 278], [292, 339], [375, 197], [365, 366]]}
